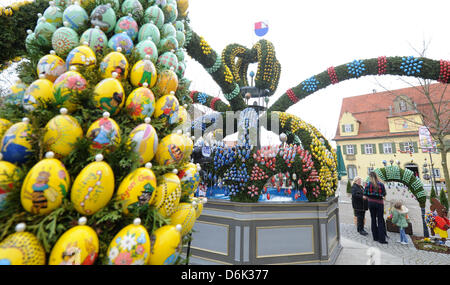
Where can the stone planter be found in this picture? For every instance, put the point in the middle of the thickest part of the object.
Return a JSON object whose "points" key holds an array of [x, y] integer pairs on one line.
{"points": [[267, 233]]}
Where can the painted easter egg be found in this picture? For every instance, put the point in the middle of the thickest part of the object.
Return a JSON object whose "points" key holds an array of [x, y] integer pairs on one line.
{"points": [[181, 38], [31, 43], [38, 93], [168, 60], [166, 243], [9, 174], [77, 246], [133, 7], [61, 134], [76, 16], [155, 14], [104, 17], [170, 13], [44, 32], [21, 248], [93, 188], [54, 15], [45, 186], [167, 109], [143, 71], [114, 62], [109, 95], [104, 132], [183, 115], [167, 194], [15, 93], [115, 4], [149, 30], [184, 215], [167, 82], [62, 4], [147, 47], [180, 54], [16, 146], [131, 246], [4, 126], [51, 66], [96, 39], [189, 179], [168, 30], [64, 39], [189, 146], [171, 149], [179, 26], [66, 86], [182, 6], [128, 25], [167, 44], [181, 69], [82, 55], [200, 201], [121, 40], [146, 140], [137, 188], [140, 103]]}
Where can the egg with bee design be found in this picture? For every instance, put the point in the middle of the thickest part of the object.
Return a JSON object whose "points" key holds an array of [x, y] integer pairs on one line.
{"points": [[171, 149], [45, 186]]}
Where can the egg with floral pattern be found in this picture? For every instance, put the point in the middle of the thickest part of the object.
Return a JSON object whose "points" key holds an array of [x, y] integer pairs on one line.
{"points": [[96, 39], [128, 25], [167, 44], [64, 39], [121, 40], [66, 86], [147, 47], [140, 103], [168, 60]]}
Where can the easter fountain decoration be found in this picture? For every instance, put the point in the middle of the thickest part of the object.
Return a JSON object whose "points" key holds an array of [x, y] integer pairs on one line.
{"points": [[93, 168]]}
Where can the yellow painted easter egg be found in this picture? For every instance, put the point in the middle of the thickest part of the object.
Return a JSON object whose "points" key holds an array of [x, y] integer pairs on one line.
{"points": [[166, 243], [16, 145], [66, 86], [21, 248], [182, 6], [45, 186], [104, 132], [61, 134], [15, 93], [167, 108], [185, 215], [189, 179], [189, 146], [93, 188], [77, 246], [51, 66], [183, 115], [166, 83], [171, 149], [82, 55], [9, 174], [4, 126], [138, 188], [168, 194], [109, 95], [140, 103], [143, 71], [114, 62], [146, 140], [131, 246], [38, 93], [199, 201]]}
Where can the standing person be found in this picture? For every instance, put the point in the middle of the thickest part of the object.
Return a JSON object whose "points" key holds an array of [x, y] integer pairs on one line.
{"points": [[399, 218], [375, 193], [360, 205]]}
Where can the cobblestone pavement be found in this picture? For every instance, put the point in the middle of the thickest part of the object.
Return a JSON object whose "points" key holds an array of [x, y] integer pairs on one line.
{"points": [[355, 245]]}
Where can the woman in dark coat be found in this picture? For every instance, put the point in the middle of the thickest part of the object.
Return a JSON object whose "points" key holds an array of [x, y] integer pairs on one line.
{"points": [[360, 205], [375, 193]]}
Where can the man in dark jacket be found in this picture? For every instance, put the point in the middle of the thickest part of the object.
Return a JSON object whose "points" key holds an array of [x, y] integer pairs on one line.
{"points": [[360, 205]]}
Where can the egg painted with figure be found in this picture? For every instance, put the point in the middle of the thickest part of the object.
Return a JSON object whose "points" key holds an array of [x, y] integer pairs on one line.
{"points": [[105, 133], [82, 55], [16, 143], [93, 188], [121, 40], [21, 248], [146, 140], [131, 246], [166, 82], [133, 7], [166, 246], [189, 179], [104, 17], [77, 246], [15, 93], [167, 108], [171, 150], [140, 103], [43, 33], [155, 14], [114, 62], [45, 186], [66, 86], [168, 60], [128, 25], [170, 13], [64, 39], [96, 39], [54, 15], [147, 47], [61, 134], [9, 174], [143, 71], [51, 66], [109, 95], [149, 30], [137, 189], [37, 94], [167, 44], [76, 16], [184, 215], [168, 194]]}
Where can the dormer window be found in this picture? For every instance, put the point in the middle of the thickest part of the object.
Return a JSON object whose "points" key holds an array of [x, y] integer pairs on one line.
{"points": [[402, 104], [348, 128]]}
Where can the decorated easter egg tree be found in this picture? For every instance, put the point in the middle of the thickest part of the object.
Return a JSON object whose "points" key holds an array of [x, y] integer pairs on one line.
{"points": [[90, 144]]}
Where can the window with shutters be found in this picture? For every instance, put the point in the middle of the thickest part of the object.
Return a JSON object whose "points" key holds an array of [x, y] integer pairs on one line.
{"points": [[387, 148], [368, 149], [408, 146], [347, 128], [350, 149]]}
